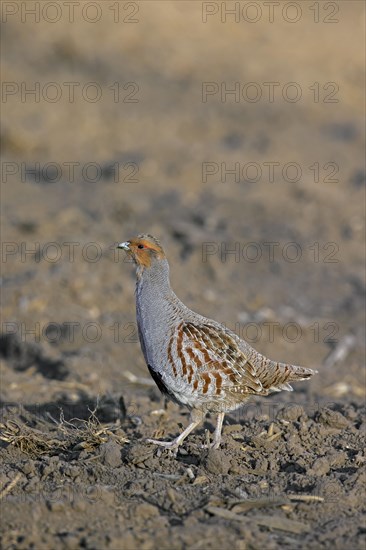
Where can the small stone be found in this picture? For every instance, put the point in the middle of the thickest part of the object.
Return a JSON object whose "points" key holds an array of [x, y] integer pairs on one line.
{"points": [[337, 459], [334, 419], [28, 467], [110, 453], [139, 453], [200, 480], [216, 463], [291, 413], [320, 467], [261, 464]]}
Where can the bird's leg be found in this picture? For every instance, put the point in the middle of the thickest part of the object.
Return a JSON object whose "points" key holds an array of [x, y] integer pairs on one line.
{"points": [[217, 434], [196, 419]]}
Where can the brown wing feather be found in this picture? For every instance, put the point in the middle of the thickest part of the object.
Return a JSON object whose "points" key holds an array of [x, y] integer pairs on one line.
{"points": [[222, 357], [242, 369]]}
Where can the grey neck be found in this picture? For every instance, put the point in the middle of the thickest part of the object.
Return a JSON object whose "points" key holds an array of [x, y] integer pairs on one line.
{"points": [[155, 277], [156, 308]]}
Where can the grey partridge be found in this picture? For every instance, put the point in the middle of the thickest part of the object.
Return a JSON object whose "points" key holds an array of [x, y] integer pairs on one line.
{"points": [[196, 361]]}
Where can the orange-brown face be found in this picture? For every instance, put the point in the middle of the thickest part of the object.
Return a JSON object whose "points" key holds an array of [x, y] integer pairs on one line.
{"points": [[143, 249]]}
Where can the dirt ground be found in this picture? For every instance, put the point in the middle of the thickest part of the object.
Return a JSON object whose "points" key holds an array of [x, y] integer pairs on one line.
{"points": [[258, 197]]}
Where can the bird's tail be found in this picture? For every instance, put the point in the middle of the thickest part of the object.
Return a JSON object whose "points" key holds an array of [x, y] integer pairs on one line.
{"points": [[281, 374]]}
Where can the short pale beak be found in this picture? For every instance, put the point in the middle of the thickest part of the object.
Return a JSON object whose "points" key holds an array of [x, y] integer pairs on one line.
{"points": [[125, 246]]}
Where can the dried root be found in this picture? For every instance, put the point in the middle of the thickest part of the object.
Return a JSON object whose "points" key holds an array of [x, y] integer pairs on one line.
{"points": [[66, 436]]}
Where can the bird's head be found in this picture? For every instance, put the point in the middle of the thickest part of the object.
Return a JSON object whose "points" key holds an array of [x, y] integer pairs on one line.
{"points": [[145, 250]]}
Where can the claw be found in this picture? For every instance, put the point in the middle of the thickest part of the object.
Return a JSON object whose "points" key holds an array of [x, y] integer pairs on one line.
{"points": [[167, 444], [171, 446], [213, 445]]}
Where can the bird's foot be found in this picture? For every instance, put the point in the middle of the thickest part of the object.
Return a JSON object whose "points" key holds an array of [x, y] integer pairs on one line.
{"points": [[166, 444], [213, 445], [171, 446]]}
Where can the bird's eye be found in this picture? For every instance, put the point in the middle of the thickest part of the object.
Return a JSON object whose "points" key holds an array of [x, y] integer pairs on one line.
{"points": [[140, 246]]}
